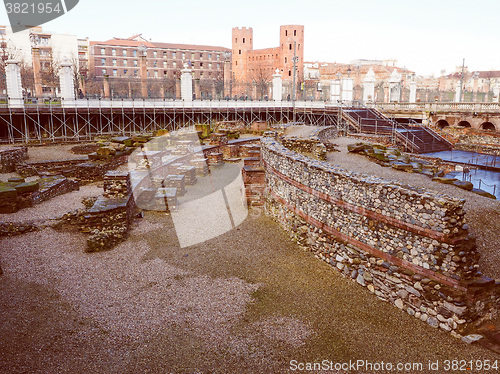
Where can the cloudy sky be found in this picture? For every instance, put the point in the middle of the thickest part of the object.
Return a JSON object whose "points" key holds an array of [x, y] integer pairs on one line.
{"points": [[426, 36]]}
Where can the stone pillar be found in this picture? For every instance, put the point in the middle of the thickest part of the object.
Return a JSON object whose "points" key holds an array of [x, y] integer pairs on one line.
{"points": [[227, 78], [413, 92], [177, 88], [105, 84], [36, 72], [277, 86], [144, 77], [496, 92], [14, 87], [335, 91], [395, 87], [186, 84], [369, 87], [458, 93], [347, 89], [66, 82]]}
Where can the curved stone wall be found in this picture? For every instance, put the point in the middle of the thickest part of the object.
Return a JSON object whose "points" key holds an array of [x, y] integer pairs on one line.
{"points": [[408, 246]]}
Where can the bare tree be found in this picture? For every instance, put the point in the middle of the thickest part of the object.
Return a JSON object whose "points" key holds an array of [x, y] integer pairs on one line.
{"points": [[261, 77]]}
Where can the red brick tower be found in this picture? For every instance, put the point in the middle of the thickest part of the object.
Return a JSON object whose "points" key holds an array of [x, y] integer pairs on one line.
{"points": [[290, 34], [242, 43]]}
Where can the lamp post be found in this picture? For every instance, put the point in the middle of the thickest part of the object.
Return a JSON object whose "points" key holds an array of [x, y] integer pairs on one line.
{"points": [[294, 89]]}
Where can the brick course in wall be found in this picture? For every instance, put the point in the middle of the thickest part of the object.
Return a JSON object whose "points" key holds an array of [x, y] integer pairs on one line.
{"points": [[408, 246]]}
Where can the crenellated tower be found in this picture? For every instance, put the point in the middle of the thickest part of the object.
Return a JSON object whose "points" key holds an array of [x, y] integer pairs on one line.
{"points": [[242, 43], [291, 36]]}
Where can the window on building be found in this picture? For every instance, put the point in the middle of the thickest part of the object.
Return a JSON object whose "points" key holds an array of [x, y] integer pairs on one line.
{"points": [[113, 52], [290, 46], [183, 55], [174, 64], [201, 64], [164, 54], [103, 71], [154, 63], [115, 73], [218, 56], [192, 56], [243, 40], [173, 54], [294, 32], [286, 32], [209, 56], [124, 52], [155, 73], [103, 61], [286, 60], [155, 54], [239, 52], [135, 73], [210, 66], [289, 73], [135, 62], [135, 53], [103, 51], [236, 40], [125, 71], [114, 62], [164, 64], [125, 62], [201, 56]]}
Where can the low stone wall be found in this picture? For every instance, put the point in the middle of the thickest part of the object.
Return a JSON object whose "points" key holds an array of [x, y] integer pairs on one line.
{"points": [[306, 146], [17, 228], [108, 217], [19, 195], [408, 246], [481, 143], [10, 157], [478, 148], [85, 171]]}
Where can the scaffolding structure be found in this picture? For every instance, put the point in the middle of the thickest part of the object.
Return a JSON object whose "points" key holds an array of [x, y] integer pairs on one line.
{"points": [[84, 120]]}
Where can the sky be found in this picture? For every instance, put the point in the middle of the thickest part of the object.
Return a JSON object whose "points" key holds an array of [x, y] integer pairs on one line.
{"points": [[425, 36]]}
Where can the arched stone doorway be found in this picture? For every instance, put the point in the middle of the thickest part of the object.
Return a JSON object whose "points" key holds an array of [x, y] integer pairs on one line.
{"points": [[488, 126], [464, 124], [442, 123]]}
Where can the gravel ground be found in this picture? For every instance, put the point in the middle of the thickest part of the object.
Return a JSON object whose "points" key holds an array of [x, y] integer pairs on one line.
{"points": [[51, 152], [483, 214], [301, 131], [248, 301], [55, 207]]}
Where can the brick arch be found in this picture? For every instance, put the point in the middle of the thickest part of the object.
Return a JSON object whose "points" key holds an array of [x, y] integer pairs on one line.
{"points": [[488, 126], [442, 123], [464, 124]]}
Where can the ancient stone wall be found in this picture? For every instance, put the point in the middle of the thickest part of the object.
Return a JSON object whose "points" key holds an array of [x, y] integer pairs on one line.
{"points": [[10, 157], [408, 246]]}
